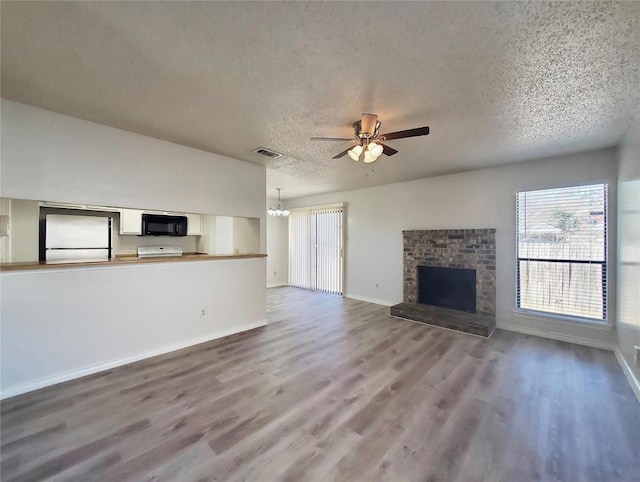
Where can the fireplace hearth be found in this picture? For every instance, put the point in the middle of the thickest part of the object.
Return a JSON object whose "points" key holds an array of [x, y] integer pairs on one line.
{"points": [[449, 279]]}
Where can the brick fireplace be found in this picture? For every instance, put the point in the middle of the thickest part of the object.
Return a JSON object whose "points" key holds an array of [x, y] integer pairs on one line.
{"points": [[458, 249]]}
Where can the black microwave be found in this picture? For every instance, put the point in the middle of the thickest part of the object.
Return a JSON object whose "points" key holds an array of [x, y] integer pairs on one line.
{"points": [[161, 225]]}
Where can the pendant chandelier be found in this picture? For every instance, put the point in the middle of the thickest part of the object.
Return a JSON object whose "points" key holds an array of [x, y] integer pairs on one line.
{"points": [[278, 210]]}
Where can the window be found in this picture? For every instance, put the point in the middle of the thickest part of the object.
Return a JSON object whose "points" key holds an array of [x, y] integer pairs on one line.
{"points": [[562, 251], [315, 249]]}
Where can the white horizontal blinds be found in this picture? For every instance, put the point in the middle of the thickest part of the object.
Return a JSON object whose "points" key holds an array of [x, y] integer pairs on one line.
{"points": [[327, 232], [315, 249], [300, 243], [562, 251]]}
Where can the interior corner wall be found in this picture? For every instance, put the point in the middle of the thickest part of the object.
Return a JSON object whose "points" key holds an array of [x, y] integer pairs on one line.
{"points": [[628, 322], [277, 249], [485, 198]]}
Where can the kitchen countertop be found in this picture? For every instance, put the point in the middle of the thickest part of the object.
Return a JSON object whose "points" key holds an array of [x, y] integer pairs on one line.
{"points": [[122, 259]]}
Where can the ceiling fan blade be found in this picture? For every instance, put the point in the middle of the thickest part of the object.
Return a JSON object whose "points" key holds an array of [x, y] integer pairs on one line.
{"points": [[331, 138], [342, 154], [387, 151], [418, 131]]}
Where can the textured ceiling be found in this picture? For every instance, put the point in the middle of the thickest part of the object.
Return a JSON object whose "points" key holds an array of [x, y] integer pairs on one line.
{"points": [[496, 82]]}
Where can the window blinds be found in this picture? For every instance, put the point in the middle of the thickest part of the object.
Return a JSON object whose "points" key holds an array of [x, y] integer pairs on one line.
{"points": [[562, 251], [315, 249]]}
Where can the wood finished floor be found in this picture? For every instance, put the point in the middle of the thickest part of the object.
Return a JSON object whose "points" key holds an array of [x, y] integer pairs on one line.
{"points": [[335, 389]]}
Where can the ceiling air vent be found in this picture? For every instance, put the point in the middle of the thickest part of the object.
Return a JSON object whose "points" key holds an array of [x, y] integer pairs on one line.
{"points": [[263, 151]]}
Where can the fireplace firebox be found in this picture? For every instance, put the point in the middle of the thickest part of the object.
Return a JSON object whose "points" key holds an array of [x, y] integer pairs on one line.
{"points": [[453, 288]]}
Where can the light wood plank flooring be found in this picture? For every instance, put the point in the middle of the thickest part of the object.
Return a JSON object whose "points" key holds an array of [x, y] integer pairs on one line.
{"points": [[335, 389]]}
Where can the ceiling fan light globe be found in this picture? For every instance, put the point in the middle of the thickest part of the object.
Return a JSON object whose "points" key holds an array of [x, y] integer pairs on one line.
{"points": [[355, 153], [375, 149], [368, 157]]}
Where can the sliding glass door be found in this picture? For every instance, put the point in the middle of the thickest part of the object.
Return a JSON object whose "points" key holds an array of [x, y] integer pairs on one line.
{"points": [[316, 249]]}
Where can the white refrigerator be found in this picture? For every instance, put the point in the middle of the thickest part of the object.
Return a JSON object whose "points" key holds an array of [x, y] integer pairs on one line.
{"points": [[77, 238]]}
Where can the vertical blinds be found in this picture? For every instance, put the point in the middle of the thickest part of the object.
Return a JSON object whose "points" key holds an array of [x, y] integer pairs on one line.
{"points": [[300, 249], [315, 249], [562, 251]]}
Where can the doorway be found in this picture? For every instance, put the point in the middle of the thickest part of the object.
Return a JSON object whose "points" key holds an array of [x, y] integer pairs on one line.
{"points": [[316, 240]]}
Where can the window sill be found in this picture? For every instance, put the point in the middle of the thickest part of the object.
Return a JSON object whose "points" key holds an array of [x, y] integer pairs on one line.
{"points": [[563, 319]]}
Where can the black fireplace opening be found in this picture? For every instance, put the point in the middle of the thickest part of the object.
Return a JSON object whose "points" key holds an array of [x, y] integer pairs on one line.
{"points": [[453, 288]]}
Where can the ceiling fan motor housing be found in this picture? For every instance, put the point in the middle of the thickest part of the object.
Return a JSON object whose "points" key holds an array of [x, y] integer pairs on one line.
{"points": [[368, 127]]}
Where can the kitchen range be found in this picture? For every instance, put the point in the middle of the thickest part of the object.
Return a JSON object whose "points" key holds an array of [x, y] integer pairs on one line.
{"points": [[157, 251]]}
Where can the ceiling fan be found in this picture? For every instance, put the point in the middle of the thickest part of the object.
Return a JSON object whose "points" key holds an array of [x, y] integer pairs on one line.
{"points": [[368, 140]]}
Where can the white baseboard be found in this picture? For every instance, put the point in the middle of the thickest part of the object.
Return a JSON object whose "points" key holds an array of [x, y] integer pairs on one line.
{"points": [[578, 340], [370, 300], [276, 285], [626, 369], [629, 373], [65, 377]]}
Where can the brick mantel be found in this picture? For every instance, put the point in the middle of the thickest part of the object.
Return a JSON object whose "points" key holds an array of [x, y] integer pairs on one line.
{"points": [[453, 248]]}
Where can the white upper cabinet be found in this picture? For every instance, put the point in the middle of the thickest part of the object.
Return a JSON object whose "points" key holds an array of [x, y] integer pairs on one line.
{"points": [[131, 221], [194, 224]]}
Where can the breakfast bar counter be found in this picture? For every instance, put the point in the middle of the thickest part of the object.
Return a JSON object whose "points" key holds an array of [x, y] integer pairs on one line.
{"points": [[122, 259]]}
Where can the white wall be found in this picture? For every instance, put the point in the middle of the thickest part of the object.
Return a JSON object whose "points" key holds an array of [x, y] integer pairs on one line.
{"points": [[277, 249], [60, 324], [628, 326], [484, 198], [246, 235], [102, 316], [25, 229], [205, 243], [53, 157], [223, 239], [5, 240]]}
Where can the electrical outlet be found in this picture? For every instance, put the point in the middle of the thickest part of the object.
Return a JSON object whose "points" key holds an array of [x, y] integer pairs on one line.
{"points": [[203, 313]]}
